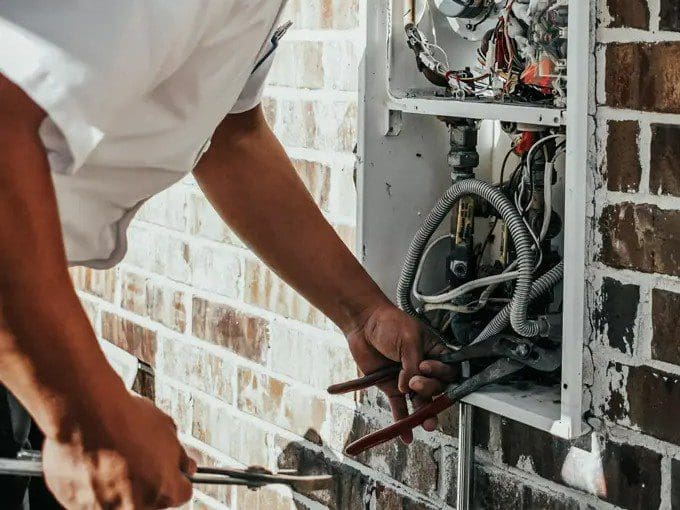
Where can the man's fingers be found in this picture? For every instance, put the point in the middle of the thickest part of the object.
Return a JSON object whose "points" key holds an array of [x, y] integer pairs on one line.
{"points": [[439, 370], [179, 493], [400, 411], [187, 465], [411, 356], [426, 387], [419, 401], [432, 342]]}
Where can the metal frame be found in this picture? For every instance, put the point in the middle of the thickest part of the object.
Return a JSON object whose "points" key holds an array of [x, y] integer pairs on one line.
{"points": [[402, 171]]}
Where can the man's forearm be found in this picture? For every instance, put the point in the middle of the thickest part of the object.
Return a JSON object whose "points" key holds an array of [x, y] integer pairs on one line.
{"points": [[49, 356], [51, 362], [249, 179]]}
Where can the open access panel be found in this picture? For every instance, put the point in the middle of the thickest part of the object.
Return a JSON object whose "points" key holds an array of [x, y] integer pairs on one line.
{"points": [[496, 91]]}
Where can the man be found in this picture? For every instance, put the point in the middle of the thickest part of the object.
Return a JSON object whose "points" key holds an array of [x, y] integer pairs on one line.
{"points": [[103, 105]]}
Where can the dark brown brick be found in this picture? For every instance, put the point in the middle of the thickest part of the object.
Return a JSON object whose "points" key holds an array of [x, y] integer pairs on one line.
{"points": [[669, 17], [654, 402], [666, 325], [623, 161], [644, 76], [498, 491], [387, 498], [629, 13], [641, 237], [145, 383], [618, 313], [616, 407], [546, 452], [415, 465], [675, 484], [222, 325], [664, 178], [632, 476], [628, 236], [348, 488], [448, 424], [129, 336]]}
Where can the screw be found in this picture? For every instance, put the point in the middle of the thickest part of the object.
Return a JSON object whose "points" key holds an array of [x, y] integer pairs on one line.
{"points": [[459, 268]]}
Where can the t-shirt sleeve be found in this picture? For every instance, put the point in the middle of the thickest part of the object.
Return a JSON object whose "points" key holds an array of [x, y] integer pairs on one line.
{"points": [[68, 58], [251, 95]]}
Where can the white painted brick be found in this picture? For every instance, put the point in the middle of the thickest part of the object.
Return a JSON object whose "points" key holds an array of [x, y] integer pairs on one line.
{"points": [[341, 61], [216, 270], [305, 357], [168, 208], [205, 222]]}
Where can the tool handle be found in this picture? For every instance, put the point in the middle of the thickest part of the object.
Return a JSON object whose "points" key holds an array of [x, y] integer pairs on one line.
{"points": [[381, 436], [367, 381]]}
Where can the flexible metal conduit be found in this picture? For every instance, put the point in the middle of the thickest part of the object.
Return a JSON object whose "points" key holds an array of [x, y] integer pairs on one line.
{"points": [[541, 286], [520, 236]]}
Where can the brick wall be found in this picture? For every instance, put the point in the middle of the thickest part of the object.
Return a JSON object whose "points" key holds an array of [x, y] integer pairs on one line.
{"points": [[241, 361]]}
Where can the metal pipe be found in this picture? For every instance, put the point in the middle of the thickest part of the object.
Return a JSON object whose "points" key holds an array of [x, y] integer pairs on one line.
{"points": [[466, 452]]}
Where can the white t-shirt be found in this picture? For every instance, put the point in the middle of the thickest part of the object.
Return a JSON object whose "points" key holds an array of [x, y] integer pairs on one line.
{"points": [[133, 91]]}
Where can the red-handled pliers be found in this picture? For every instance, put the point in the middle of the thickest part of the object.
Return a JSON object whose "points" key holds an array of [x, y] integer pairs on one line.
{"points": [[513, 353]]}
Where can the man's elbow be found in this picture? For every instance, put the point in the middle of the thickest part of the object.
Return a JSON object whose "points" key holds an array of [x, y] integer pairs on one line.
{"points": [[242, 126]]}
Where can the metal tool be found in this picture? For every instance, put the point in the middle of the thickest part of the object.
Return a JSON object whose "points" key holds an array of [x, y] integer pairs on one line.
{"points": [[513, 353], [29, 463]]}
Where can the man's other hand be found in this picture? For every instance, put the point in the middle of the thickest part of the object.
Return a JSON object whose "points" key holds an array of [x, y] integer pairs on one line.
{"points": [[128, 461], [388, 335]]}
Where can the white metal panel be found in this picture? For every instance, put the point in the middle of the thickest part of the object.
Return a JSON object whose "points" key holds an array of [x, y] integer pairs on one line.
{"points": [[402, 171]]}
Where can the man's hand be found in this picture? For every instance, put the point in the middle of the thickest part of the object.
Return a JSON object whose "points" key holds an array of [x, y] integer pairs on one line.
{"points": [[388, 335], [129, 460]]}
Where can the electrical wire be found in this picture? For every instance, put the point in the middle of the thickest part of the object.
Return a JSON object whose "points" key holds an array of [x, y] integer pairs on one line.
{"points": [[416, 279], [547, 193], [468, 287]]}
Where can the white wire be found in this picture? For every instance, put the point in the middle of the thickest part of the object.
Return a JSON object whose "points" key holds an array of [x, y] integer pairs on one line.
{"points": [[416, 279], [434, 28], [527, 166], [547, 191], [428, 307], [473, 306], [470, 286], [520, 193], [435, 46]]}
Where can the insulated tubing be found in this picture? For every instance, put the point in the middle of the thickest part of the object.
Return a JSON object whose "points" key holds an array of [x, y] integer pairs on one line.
{"points": [[541, 286], [520, 236]]}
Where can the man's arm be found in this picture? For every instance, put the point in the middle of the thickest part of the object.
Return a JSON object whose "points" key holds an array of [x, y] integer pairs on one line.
{"points": [[49, 356], [249, 179]]}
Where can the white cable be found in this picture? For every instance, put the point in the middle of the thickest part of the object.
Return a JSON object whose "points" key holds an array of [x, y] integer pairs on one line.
{"points": [[520, 192], [416, 279], [470, 286], [547, 198], [527, 166], [473, 306], [431, 46]]}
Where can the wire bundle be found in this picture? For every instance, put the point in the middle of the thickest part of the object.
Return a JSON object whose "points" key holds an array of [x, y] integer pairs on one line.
{"points": [[526, 238]]}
